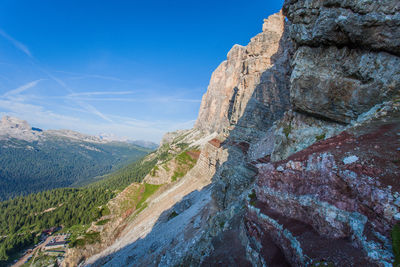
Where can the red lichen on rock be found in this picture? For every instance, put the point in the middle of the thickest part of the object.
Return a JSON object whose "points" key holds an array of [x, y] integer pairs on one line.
{"points": [[215, 142], [355, 173]]}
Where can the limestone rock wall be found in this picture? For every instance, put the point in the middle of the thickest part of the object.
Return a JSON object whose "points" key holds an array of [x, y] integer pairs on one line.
{"points": [[368, 24], [347, 56], [327, 193], [248, 90]]}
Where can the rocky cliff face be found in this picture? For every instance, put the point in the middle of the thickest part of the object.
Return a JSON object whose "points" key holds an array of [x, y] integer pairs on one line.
{"points": [[342, 191], [249, 90], [347, 56], [334, 202], [299, 139]]}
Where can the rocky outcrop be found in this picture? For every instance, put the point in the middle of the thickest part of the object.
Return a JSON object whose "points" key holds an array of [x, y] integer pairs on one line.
{"points": [[335, 200], [249, 90], [342, 191], [11, 127], [347, 56], [296, 131], [341, 83], [367, 24]]}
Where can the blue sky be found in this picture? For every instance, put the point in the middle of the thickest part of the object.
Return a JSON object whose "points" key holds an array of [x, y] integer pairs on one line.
{"points": [[131, 68]]}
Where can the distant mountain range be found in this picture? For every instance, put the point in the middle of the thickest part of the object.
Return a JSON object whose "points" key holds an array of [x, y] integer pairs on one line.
{"points": [[33, 160], [11, 127]]}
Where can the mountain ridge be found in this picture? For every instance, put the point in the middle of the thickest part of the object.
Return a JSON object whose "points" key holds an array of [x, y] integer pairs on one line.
{"points": [[13, 127], [55, 158]]}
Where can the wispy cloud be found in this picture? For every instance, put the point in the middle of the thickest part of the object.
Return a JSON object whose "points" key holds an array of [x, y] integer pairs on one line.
{"points": [[35, 113], [22, 88], [16, 43], [142, 100], [93, 110], [101, 93], [79, 76], [86, 106], [166, 99]]}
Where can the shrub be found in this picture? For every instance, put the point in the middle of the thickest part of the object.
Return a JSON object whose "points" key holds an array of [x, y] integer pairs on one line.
{"points": [[287, 130], [105, 210], [102, 222], [396, 244], [172, 215], [154, 171], [320, 137], [88, 238], [253, 198]]}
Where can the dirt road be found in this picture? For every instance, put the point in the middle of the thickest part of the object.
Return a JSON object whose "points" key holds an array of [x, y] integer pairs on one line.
{"points": [[22, 260]]}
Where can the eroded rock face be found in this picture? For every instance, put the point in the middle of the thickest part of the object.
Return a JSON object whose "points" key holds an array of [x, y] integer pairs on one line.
{"points": [[374, 25], [249, 90], [342, 83], [347, 58], [342, 191], [295, 132]]}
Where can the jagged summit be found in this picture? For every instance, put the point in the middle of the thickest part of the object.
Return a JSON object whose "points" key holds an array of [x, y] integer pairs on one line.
{"points": [[14, 123], [274, 23], [240, 82], [12, 127]]}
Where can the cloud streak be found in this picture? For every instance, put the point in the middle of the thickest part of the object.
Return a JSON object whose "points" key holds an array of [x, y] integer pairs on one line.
{"points": [[139, 100], [100, 93], [79, 76], [91, 109], [20, 46], [22, 88]]}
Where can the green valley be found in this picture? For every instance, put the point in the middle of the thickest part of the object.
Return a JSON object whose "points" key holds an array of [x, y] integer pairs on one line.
{"points": [[23, 218], [29, 167]]}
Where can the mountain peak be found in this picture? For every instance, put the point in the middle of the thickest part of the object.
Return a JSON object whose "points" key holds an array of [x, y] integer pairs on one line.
{"points": [[12, 127], [237, 82], [274, 23], [14, 123]]}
